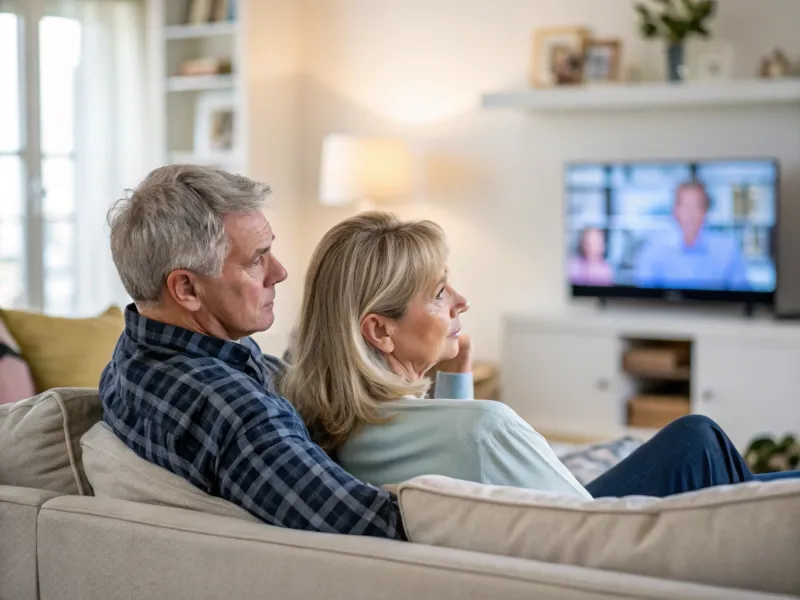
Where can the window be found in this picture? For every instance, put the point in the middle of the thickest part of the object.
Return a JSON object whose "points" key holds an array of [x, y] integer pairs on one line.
{"points": [[63, 160]]}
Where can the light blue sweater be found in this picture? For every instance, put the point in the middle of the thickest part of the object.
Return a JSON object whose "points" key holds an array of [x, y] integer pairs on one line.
{"points": [[474, 440]]}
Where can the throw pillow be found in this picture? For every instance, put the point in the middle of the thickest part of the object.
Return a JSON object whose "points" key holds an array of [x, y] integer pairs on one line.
{"points": [[16, 382], [587, 463], [40, 440], [116, 471], [738, 536], [64, 352]]}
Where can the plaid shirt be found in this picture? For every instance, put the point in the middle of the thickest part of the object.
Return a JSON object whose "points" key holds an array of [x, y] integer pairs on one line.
{"points": [[206, 409]]}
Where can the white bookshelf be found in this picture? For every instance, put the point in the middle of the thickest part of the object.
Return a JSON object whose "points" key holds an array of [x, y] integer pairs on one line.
{"points": [[188, 108], [199, 83], [610, 97]]}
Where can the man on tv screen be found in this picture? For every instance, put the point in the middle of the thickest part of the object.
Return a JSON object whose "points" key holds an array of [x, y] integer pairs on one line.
{"points": [[691, 256]]}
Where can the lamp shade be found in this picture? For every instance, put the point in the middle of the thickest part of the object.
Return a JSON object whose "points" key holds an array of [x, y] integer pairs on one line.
{"points": [[355, 169]]}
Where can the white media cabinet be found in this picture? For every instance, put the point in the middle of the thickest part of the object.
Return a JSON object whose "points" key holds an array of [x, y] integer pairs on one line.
{"points": [[563, 372]]}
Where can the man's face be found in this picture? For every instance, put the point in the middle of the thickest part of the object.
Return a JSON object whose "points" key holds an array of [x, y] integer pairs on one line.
{"points": [[690, 211], [241, 301]]}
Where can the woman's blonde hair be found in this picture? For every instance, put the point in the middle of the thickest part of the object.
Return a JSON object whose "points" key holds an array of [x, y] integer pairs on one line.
{"points": [[370, 263]]}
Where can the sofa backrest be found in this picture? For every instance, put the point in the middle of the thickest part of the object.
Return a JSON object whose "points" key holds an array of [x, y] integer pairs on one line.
{"points": [[40, 440]]}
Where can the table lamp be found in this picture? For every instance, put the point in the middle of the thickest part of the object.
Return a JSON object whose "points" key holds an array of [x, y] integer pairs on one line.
{"points": [[358, 169]]}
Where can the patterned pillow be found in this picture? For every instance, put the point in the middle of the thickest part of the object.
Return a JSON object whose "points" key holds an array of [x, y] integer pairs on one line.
{"points": [[16, 382], [589, 462]]}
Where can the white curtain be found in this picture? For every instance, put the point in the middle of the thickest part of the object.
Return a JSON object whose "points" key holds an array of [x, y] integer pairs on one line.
{"points": [[113, 145]]}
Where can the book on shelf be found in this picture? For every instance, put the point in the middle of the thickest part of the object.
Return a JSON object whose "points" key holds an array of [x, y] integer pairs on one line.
{"points": [[210, 11], [199, 12]]}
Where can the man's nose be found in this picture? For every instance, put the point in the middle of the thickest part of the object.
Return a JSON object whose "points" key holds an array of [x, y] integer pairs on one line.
{"points": [[277, 273]]}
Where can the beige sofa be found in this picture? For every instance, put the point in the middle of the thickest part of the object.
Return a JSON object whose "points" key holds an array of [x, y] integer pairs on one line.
{"points": [[58, 541]]}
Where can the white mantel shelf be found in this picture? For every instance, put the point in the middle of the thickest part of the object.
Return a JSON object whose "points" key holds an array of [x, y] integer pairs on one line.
{"points": [[587, 98]]}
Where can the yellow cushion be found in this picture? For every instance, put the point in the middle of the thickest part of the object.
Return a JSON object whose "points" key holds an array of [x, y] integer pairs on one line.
{"points": [[65, 352]]}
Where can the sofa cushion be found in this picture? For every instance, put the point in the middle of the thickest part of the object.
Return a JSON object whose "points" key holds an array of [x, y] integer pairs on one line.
{"points": [[19, 510], [116, 471], [40, 440], [741, 536], [16, 382], [65, 352], [102, 548]]}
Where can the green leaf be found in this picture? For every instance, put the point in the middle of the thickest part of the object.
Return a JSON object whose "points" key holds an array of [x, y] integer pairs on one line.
{"points": [[702, 31], [648, 30], [689, 7], [677, 29]]}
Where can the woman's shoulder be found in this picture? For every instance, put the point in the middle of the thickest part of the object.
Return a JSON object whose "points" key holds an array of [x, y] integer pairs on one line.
{"points": [[477, 412]]}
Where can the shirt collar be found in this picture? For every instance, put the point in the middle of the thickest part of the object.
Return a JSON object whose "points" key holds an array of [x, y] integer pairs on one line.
{"points": [[700, 243], [157, 335]]}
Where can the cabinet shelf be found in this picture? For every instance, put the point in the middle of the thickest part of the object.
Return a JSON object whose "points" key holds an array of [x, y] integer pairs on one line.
{"points": [[679, 374]]}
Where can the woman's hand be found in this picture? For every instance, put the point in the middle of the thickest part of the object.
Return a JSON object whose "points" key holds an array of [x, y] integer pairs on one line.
{"points": [[462, 363]]}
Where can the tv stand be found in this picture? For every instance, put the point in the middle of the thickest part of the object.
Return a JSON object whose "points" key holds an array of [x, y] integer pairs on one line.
{"points": [[565, 371], [749, 309]]}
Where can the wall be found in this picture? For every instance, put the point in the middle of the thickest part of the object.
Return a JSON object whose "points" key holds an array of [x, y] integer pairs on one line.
{"points": [[416, 68], [274, 62]]}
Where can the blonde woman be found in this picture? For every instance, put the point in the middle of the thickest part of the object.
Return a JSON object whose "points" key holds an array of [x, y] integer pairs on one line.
{"points": [[378, 312]]}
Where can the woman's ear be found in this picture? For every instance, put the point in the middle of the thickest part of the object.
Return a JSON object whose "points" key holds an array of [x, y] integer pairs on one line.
{"points": [[377, 331]]}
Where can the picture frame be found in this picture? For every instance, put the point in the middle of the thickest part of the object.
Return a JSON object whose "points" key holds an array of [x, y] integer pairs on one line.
{"points": [[714, 66], [601, 60], [558, 56], [215, 124]]}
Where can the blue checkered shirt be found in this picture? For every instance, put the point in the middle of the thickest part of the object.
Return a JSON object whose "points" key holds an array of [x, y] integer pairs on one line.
{"points": [[206, 409]]}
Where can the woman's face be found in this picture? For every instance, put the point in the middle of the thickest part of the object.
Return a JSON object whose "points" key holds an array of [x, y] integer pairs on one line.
{"points": [[594, 245], [428, 332]]}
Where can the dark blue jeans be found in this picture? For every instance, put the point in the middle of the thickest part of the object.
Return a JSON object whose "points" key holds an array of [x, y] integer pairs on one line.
{"points": [[690, 453]]}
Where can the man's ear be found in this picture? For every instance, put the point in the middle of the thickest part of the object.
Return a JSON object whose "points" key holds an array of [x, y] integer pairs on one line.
{"points": [[182, 286], [377, 331]]}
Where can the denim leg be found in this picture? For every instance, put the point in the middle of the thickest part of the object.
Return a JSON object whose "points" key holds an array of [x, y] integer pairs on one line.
{"points": [[778, 476], [690, 453]]}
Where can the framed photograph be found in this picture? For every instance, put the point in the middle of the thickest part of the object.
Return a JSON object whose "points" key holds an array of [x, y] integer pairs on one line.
{"points": [[715, 65], [558, 56], [601, 60], [214, 130]]}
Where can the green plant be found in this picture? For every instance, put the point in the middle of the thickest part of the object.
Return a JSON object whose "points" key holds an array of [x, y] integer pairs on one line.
{"points": [[677, 20], [765, 455]]}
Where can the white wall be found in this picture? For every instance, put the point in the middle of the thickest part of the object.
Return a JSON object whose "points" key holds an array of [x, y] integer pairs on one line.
{"points": [[416, 68], [273, 50]]}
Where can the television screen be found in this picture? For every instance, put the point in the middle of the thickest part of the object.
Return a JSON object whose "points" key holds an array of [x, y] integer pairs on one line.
{"points": [[643, 229]]}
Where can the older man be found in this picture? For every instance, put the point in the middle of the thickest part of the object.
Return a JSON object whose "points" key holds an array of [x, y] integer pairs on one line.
{"points": [[187, 389]]}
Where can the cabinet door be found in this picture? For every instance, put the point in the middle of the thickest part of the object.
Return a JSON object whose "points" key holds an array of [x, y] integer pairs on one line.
{"points": [[748, 387], [563, 380]]}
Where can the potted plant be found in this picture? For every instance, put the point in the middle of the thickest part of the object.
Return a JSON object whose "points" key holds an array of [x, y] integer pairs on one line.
{"points": [[674, 22], [768, 455]]}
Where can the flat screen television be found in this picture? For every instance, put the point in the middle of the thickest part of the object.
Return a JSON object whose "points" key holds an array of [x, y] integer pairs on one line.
{"points": [[694, 230]]}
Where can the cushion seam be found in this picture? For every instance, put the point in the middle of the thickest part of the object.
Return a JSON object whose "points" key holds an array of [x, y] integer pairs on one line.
{"points": [[67, 440], [587, 587]]}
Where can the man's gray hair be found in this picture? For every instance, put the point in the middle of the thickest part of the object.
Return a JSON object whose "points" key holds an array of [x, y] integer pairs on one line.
{"points": [[174, 220]]}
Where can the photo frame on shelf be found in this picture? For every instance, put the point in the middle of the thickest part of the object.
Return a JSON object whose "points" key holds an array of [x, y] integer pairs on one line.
{"points": [[558, 56], [601, 60], [714, 66], [215, 119]]}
